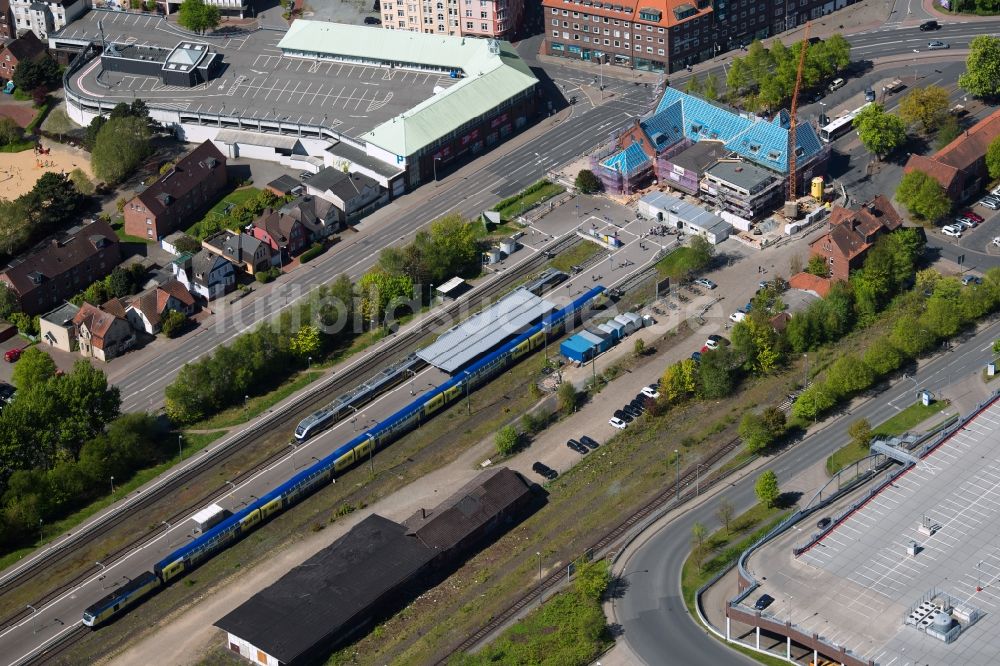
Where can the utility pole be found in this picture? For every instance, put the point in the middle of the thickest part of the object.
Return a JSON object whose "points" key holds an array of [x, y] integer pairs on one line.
{"points": [[677, 461]]}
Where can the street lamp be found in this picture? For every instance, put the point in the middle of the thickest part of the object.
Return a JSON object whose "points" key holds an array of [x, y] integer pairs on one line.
{"points": [[979, 576], [436, 160], [34, 622], [180, 447], [310, 359], [677, 464], [539, 554], [112, 485], [246, 403]]}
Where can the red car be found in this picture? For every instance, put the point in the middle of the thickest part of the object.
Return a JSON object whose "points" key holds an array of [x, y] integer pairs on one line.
{"points": [[12, 355], [972, 216]]}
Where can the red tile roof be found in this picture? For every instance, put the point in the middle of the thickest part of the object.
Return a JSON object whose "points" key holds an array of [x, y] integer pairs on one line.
{"points": [[852, 231], [971, 145], [97, 321], [810, 282], [177, 290], [943, 173]]}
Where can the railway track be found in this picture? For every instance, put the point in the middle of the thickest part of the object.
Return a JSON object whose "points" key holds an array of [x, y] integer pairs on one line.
{"points": [[689, 483], [361, 370]]}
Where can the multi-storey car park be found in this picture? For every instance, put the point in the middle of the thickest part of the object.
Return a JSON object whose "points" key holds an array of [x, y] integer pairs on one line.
{"points": [[400, 107], [905, 571]]}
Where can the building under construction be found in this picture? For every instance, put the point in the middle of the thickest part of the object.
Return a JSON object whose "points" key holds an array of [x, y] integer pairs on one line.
{"points": [[681, 142]]}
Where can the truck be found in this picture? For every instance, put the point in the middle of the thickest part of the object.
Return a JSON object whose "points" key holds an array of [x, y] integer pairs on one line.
{"points": [[893, 86]]}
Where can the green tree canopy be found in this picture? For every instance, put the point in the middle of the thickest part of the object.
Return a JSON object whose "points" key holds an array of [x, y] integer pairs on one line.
{"points": [[40, 72], [767, 489], [879, 132], [10, 132], [586, 182], [506, 440], [754, 433], [923, 196], [198, 17], [993, 158], [982, 67], [173, 323], [120, 147], [34, 368], [715, 372], [925, 107]]}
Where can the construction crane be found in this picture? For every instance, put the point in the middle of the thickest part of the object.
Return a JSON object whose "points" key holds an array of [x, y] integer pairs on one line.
{"points": [[795, 107]]}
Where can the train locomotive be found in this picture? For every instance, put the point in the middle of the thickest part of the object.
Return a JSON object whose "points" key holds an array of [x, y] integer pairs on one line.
{"points": [[360, 448]]}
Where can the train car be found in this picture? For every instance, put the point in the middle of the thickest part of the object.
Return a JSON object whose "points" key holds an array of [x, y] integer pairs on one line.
{"points": [[194, 553], [116, 602], [315, 422]]}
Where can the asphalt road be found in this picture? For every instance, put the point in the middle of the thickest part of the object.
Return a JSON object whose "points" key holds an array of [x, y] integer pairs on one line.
{"points": [[652, 613]]}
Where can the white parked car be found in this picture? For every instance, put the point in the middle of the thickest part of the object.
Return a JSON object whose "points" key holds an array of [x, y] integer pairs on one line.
{"points": [[995, 191], [991, 202], [650, 393], [711, 344], [996, 241], [617, 422], [952, 230], [738, 316], [706, 283]]}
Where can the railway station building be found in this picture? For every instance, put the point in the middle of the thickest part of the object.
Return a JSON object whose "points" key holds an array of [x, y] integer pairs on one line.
{"points": [[378, 566]]}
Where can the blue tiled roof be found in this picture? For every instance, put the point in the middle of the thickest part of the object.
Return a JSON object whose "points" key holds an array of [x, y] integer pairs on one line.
{"points": [[627, 160], [664, 127]]}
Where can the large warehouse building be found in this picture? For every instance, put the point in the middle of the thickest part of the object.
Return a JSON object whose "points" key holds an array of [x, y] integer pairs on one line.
{"points": [[331, 597], [401, 107]]}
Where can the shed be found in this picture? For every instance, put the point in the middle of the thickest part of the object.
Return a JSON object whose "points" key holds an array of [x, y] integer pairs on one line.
{"points": [[611, 331], [618, 328], [636, 320], [508, 246], [453, 288], [679, 214], [600, 340], [209, 517], [577, 348]]}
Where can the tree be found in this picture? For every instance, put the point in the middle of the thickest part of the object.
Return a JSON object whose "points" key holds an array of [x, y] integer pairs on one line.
{"points": [[87, 404], [38, 72], [882, 357], [860, 432], [715, 373], [767, 488], [754, 433], [377, 289], [52, 201], [925, 107], [173, 323], [587, 183], [10, 132], [186, 243], [639, 348], [567, 397], [34, 368], [592, 578], [880, 132], [81, 182], [710, 88], [506, 440], [120, 146], [701, 253], [774, 420], [982, 67], [8, 301], [817, 266], [993, 158], [848, 375], [693, 85], [198, 17], [812, 402], [698, 534], [923, 196], [725, 512], [947, 131], [306, 342], [910, 336]]}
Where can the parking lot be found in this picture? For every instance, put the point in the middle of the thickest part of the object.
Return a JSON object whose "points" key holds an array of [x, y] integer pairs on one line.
{"points": [[257, 81]]}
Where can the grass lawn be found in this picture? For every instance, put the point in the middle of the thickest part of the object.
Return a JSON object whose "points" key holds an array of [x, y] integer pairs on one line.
{"points": [[236, 197], [575, 256], [17, 146], [526, 202], [119, 226], [192, 444], [258, 404], [569, 628], [897, 425], [677, 264], [722, 547]]}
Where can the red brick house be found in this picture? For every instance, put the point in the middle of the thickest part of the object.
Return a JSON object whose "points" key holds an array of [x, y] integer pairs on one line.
{"points": [[283, 233], [63, 267], [960, 167], [851, 233], [102, 334], [25, 47], [7, 24], [179, 196]]}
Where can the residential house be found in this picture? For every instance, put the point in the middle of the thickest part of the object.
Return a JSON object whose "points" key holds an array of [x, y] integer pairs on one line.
{"points": [[43, 17], [283, 234], [320, 217], [146, 310], [25, 47], [101, 334], [960, 167], [56, 328], [846, 242], [494, 19], [63, 267], [179, 196], [7, 30], [205, 274], [354, 194], [243, 250], [283, 185]]}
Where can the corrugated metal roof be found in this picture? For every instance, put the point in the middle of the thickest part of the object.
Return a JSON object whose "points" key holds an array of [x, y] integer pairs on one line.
{"points": [[485, 330], [690, 213], [491, 76], [231, 136], [590, 337]]}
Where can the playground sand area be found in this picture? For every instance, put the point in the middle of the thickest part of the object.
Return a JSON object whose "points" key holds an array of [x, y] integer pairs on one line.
{"points": [[19, 171]]}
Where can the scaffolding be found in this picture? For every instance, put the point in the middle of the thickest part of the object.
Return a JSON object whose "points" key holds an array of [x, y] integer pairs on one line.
{"points": [[625, 181]]}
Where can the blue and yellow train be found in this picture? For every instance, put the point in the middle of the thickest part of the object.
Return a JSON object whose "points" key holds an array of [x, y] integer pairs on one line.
{"points": [[189, 556]]}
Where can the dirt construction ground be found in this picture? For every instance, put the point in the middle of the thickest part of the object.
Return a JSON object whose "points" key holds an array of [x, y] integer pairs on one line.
{"points": [[19, 171]]}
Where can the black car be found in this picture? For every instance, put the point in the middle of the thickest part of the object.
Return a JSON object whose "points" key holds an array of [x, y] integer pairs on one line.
{"points": [[588, 441], [623, 415], [544, 470], [637, 404], [696, 356], [6, 393], [764, 601], [929, 25], [371, 20], [576, 446], [632, 411], [823, 523]]}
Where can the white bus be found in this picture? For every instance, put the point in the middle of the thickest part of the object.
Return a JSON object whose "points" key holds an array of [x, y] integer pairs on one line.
{"points": [[840, 126]]}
